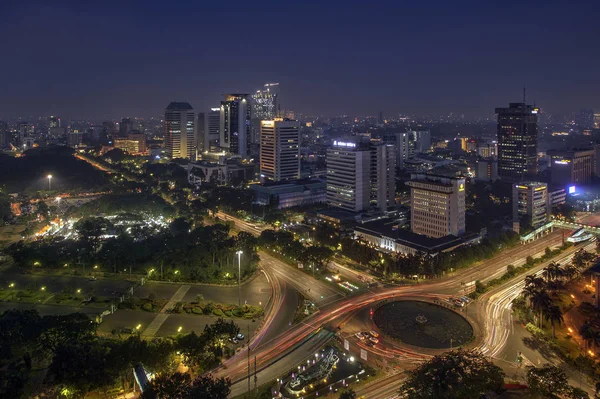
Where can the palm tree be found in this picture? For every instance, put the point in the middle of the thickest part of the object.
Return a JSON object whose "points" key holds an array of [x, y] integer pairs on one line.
{"points": [[540, 301], [554, 315], [570, 272]]}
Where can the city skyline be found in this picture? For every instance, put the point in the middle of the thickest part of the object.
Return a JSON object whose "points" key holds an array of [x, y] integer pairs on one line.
{"points": [[426, 60]]}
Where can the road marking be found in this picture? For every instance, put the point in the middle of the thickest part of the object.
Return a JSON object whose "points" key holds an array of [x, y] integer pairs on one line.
{"points": [[160, 318]]}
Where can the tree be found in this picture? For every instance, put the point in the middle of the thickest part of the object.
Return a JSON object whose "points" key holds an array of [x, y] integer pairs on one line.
{"points": [[348, 394], [548, 382], [82, 367], [554, 315], [453, 375], [180, 386], [540, 301]]}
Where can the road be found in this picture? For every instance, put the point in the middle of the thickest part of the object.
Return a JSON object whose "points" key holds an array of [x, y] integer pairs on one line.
{"points": [[451, 285]]}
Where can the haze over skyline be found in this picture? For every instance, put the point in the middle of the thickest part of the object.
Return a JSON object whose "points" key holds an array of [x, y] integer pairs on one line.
{"points": [[109, 60]]}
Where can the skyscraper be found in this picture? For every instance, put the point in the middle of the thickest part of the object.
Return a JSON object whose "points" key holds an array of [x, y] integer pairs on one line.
{"points": [[208, 129], [125, 127], [53, 121], [360, 175], [236, 114], [265, 102], [408, 143], [179, 133], [517, 142], [437, 205], [279, 149], [530, 204]]}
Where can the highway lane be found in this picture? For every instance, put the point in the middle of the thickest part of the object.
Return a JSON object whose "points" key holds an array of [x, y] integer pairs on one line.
{"points": [[313, 289], [496, 316], [502, 340]]}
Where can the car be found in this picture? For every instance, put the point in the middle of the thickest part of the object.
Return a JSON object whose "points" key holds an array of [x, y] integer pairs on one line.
{"points": [[92, 278], [465, 299], [374, 334], [240, 337], [233, 340], [374, 340], [360, 336], [127, 330], [459, 303]]}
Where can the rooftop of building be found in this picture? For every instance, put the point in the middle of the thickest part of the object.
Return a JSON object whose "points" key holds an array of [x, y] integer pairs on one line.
{"points": [[286, 186], [389, 228], [179, 106], [532, 184]]}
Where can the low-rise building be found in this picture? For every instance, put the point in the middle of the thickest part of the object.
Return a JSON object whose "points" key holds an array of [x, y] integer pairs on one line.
{"points": [[387, 235], [286, 194]]}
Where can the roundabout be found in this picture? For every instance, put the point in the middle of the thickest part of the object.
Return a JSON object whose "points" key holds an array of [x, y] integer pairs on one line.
{"points": [[423, 324]]}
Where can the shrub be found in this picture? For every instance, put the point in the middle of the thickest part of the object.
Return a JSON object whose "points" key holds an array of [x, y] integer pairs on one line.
{"points": [[208, 308], [147, 307], [197, 310], [217, 312], [228, 313], [237, 312]]}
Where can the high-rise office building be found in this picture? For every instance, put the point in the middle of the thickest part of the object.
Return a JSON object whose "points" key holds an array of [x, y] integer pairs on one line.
{"points": [[265, 106], [179, 132], [569, 167], [487, 169], [265, 102], [279, 149], [530, 204], [437, 205], [360, 175], [236, 115], [383, 176], [517, 142], [55, 128], [208, 127], [125, 127], [53, 121], [408, 143]]}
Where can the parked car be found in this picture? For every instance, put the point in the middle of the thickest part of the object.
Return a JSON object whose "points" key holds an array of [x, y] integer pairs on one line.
{"points": [[240, 337], [92, 278], [374, 340], [360, 336], [233, 340], [374, 334]]}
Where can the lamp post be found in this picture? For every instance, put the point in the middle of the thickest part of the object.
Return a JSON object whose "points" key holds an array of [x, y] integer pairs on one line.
{"points": [[49, 182], [239, 254]]}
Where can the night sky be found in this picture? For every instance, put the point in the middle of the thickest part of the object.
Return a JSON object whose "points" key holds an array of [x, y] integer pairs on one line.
{"points": [[109, 59]]}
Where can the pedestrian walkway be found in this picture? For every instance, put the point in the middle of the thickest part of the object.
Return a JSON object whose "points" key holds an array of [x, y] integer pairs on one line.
{"points": [[160, 318]]}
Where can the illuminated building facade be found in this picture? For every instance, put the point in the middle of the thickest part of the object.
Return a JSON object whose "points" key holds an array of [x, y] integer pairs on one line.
{"points": [[235, 119], [530, 204], [437, 205], [360, 175], [572, 166], [179, 131], [517, 141], [279, 149], [134, 143]]}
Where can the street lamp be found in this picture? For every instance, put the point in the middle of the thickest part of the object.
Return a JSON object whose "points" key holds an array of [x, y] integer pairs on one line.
{"points": [[239, 254], [49, 182]]}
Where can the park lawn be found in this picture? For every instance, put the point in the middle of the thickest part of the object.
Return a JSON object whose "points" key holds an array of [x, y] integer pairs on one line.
{"points": [[566, 345], [563, 300], [23, 296], [10, 234]]}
